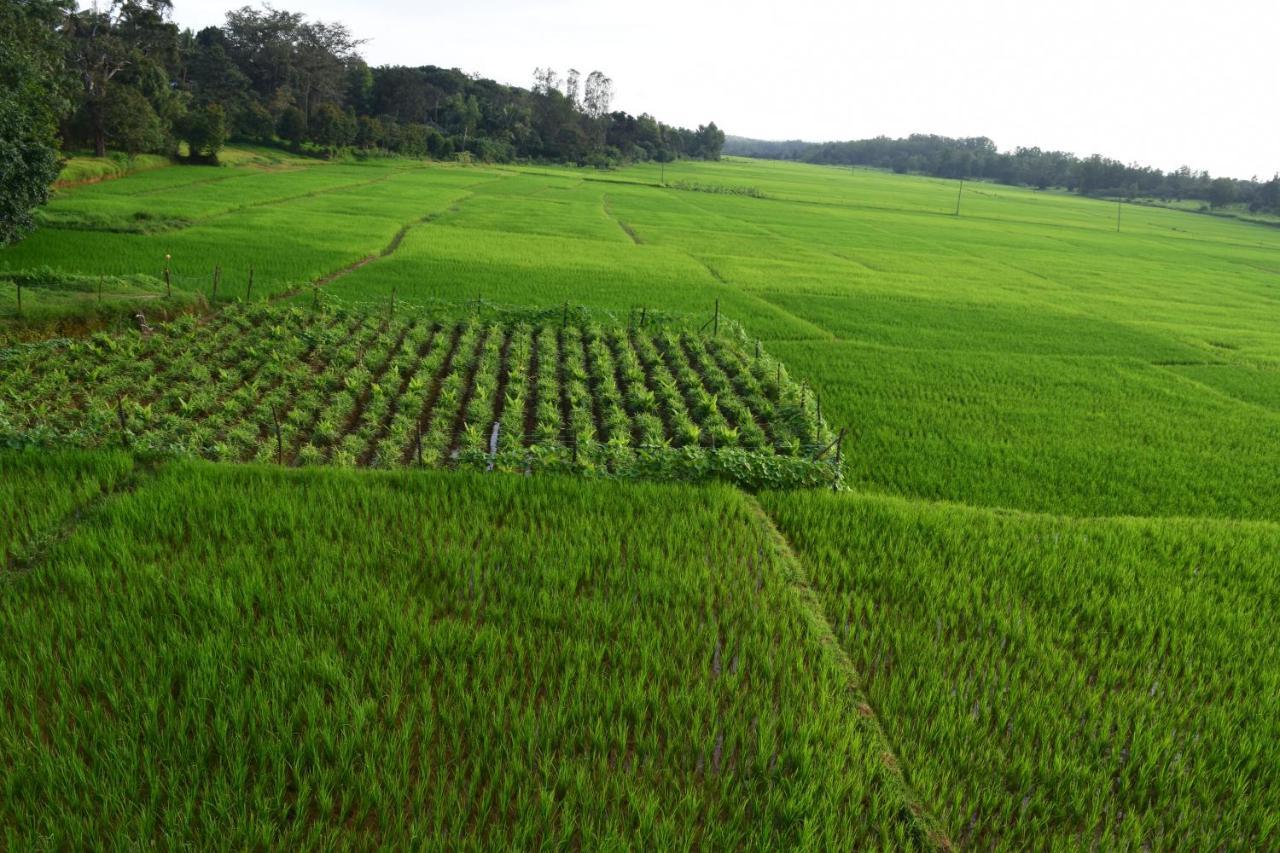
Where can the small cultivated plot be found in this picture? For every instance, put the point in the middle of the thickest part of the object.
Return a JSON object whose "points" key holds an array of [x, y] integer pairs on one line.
{"points": [[353, 387], [253, 658], [1059, 683]]}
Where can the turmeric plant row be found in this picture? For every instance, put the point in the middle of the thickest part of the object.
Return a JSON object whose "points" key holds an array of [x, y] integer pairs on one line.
{"points": [[356, 389]]}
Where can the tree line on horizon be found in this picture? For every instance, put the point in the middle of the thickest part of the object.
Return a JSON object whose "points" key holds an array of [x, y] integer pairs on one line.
{"points": [[978, 158], [122, 76]]}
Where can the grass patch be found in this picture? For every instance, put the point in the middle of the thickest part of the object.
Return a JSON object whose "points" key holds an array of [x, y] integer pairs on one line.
{"points": [[79, 170], [1060, 682], [245, 656]]}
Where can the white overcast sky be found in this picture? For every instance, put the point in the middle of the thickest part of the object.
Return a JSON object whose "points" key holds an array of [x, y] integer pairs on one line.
{"points": [[1160, 82]]}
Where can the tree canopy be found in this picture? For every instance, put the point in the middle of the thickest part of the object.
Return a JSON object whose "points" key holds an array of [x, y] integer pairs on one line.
{"points": [[33, 94], [121, 76], [978, 157], [269, 74]]}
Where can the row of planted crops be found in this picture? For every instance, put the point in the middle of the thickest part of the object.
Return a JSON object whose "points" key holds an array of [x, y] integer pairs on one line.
{"points": [[360, 388]]}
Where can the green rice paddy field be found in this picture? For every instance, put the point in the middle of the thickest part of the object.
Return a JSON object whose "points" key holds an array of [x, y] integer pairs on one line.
{"points": [[1039, 613]]}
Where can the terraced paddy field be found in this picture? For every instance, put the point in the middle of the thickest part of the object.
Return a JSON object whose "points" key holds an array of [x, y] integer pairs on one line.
{"points": [[1022, 354], [1038, 613]]}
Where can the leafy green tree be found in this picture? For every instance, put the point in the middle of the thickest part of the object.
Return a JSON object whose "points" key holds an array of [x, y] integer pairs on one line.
{"points": [[128, 45], [359, 86], [1267, 196], [710, 141], [205, 131], [255, 122], [463, 114], [292, 126], [32, 98], [129, 121], [1222, 192], [212, 76], [331, 128], [369, 132]]}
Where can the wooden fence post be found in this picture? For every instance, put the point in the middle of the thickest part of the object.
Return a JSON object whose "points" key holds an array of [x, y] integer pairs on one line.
{"points": [[248, 293], [275, 416], [834, 444], [124, 426]]}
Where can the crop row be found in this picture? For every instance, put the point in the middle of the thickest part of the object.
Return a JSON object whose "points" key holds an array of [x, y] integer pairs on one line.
{"points": [[372, 389]]}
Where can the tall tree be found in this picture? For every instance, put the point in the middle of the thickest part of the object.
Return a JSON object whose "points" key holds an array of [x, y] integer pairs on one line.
{"points": [[573, 88], [597, 95], [32, 98], [130, 43]]}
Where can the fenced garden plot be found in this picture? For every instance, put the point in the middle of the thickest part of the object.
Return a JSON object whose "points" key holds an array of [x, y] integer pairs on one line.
{"points": [[357, 388]]}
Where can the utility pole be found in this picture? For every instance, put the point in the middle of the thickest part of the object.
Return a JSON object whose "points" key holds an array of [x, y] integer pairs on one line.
{"points": [[1118, 202], [958, 195]]}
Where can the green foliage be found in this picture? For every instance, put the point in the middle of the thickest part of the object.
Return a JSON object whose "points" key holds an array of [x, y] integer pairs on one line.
{"points": [[32, 75], [205, 131], [292, 126], [331, 128], [718, 189], [131, 123], [124, 56]]}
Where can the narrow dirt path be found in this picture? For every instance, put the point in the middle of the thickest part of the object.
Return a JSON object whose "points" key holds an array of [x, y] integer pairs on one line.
{"points": [[386, 251], [626, 229]]}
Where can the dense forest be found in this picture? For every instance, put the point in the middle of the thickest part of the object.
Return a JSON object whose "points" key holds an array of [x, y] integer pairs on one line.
{"points": [[271, 74], [978, 158], [122, 76]]}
